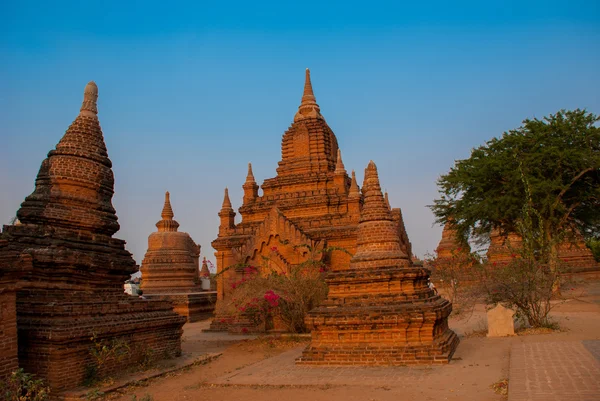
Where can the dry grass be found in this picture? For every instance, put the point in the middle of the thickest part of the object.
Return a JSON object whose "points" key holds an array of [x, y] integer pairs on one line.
{"points": [[500, 387]]}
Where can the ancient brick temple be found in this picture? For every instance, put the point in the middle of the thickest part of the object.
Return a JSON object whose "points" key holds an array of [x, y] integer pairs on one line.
{"points": [[450, 246], [380, 310], [70, 288], [170, 269], [575, 255], [312, 201], [503, 248]]}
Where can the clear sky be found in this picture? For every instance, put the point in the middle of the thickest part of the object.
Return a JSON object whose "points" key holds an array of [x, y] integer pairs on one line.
{"points": [[190, 92]]}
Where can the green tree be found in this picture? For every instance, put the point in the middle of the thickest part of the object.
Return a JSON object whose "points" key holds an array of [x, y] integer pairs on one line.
{"points": [[549, 167]]}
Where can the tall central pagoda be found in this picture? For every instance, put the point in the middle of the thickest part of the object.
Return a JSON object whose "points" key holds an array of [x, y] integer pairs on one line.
{"points": [[312, 201]]}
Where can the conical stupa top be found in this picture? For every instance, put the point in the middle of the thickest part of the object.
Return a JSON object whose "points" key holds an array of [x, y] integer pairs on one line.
{"points": [[250, 176], [226, 201], [354, 191], [167, 212], [339, 164], [387, 200], [308, 106], [75, 183], [167, 223], [89, 107], [378, 242], [204, 272]]}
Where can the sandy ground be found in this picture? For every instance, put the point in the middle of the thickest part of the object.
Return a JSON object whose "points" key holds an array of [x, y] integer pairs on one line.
{"points": [[478, 363]]}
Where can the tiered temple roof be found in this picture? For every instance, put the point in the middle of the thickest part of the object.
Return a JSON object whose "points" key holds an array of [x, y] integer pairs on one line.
{"points": [[311, 201]]}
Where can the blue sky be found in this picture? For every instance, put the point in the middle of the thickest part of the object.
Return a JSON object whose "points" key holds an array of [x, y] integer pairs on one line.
{"points": [[190, 92]]}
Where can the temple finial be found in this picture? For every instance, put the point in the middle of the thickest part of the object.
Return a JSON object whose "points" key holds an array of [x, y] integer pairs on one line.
{"points": [[226, 201], [308, 106], [339, 164], [387, 200], [89, 107], [378, 242], [204, 272], [167, 212], [354, 190], [250, 176], [167, 223], [308, 97], [372, 189]]}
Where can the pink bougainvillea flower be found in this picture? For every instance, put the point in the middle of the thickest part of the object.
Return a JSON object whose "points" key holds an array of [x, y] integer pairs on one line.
{"points": [[272, 298]]}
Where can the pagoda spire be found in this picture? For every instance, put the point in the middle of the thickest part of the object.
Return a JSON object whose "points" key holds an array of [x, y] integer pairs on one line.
{"points": [[308, 106], [167, 223], [378, 244], [204, 272], [354, 190], [250, 187], [339, 164], [89, 106], [354, 199], [226, 215], [226, 202], [250, 176], [387, 200], [76, 198], [167, 212]]}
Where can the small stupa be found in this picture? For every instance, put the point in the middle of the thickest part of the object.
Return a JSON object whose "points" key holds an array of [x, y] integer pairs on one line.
{"points": [[379, 311], [170, 269]]}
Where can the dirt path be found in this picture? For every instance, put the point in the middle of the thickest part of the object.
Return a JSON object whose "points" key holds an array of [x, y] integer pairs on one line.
{"points": [[261, 364]]}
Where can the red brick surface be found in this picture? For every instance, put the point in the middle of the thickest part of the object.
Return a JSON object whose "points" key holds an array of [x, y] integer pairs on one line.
{"points": [[312, 201], [380, 310], [573, 252], [171, 263], [8, 333], [71, 288]]}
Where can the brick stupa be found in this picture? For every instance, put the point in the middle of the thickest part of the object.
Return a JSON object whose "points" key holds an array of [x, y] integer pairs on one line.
{"points": [[577, 256], [170, 269], [503, 248], [312, 201], [573, 252], [72, 289], [379, 311], [450, 246]]}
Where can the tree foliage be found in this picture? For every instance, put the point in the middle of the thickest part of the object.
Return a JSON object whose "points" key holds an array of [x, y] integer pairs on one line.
{"points": [[550, 166]]}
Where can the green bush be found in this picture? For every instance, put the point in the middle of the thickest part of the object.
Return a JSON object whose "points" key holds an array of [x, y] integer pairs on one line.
{"points": [[23, 386], [594, 245], [266, 293]]}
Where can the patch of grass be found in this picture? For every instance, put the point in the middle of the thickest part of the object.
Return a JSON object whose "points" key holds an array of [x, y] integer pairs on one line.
{"points": [[94, 395]]}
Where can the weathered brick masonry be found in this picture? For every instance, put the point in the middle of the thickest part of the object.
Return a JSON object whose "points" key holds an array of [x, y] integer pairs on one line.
{"points": [[170, 269], [312, 201], [380, 310], [573, 252], [72, 287], [9, 361]]}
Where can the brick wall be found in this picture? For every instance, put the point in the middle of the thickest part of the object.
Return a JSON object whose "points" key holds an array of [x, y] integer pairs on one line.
{"points": [[8, 334]]}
